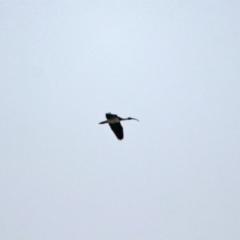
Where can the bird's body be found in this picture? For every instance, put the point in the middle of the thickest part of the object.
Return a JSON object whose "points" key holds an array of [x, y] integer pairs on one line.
{"points": [[112, 118], [114, 123]]}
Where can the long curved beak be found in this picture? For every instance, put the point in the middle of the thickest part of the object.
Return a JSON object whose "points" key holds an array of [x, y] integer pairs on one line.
{"points": [[135, 119]]}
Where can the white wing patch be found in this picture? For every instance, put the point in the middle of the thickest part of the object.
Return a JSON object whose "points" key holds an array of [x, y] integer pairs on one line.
{"points": [[113, 120]]}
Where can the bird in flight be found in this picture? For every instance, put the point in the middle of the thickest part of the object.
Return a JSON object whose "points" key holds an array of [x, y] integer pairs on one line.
{"points": [[114, 123]]}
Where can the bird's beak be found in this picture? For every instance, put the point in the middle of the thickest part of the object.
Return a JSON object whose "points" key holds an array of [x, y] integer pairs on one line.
{"points": [[135, 119]]}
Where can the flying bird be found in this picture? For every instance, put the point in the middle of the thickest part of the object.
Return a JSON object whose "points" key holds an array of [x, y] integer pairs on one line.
{"points": [[114, 123]]}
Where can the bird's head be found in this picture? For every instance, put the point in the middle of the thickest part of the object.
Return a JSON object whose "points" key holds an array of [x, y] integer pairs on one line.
{"points": [[132, 119]]}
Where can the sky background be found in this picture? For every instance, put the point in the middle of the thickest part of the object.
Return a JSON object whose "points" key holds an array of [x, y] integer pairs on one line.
{"points": [[174, 65]]}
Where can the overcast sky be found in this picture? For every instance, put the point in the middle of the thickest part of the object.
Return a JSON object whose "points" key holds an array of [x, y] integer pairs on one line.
{"points": [[174, 65]]}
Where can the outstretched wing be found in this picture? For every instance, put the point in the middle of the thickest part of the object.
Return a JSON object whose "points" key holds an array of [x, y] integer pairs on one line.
{"points": [[110, 116], [117, 129]]}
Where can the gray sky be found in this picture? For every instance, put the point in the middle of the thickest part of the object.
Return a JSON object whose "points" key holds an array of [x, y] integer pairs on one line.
{"points": [[174, 65]]}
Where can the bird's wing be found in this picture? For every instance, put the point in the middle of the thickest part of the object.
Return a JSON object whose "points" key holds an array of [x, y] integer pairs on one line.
{"points": [[117, 129], [109, 115]]}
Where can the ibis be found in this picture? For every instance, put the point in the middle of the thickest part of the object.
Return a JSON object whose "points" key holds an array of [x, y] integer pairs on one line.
{"points": [[114, 122]]}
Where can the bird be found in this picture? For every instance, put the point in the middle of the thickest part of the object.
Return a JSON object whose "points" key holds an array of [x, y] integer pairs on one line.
{"points": [[114, 122]]}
